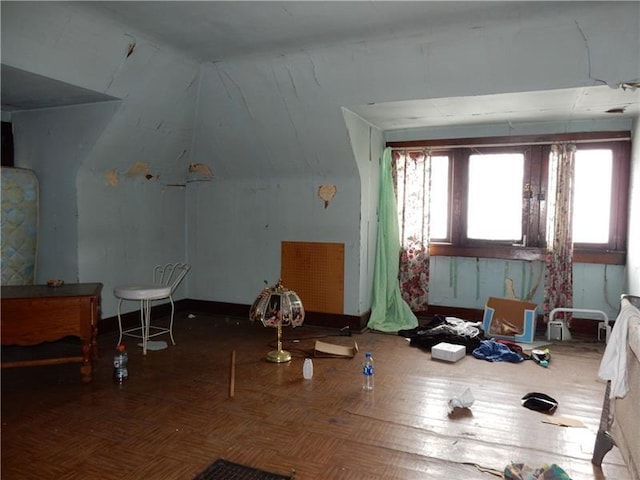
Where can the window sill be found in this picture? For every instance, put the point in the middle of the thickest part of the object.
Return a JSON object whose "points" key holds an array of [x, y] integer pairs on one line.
{"points": [[525, 253]]}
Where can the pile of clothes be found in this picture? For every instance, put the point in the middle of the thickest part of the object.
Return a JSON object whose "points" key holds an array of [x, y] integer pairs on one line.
{"points": [[499, 351], [471, 335], [446, 329], [468, 334]]}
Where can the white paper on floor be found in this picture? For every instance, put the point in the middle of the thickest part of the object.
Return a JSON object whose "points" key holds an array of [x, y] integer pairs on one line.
{"points": [[155, 345]]}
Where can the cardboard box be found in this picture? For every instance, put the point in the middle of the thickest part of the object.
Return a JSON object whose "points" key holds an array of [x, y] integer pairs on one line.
{"points": [[448, 352], [324, 349], [509, 318]]}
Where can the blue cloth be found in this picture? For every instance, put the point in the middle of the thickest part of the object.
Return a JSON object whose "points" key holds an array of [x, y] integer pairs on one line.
{"points": [[496, 352]]}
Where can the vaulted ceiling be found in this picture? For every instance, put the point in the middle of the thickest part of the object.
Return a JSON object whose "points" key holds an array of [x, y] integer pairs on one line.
{"points": [[212, 31]]}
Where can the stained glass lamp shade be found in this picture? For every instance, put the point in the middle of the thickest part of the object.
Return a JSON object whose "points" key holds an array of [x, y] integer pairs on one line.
{"points": [[278, 306]]}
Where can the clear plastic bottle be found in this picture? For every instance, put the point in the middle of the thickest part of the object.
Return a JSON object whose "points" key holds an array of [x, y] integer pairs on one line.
{"points": [[120, 365], [367, 372], [307, 369]]}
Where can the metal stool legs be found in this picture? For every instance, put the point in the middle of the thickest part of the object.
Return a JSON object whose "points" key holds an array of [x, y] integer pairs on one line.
{"points": [[145, 325]]}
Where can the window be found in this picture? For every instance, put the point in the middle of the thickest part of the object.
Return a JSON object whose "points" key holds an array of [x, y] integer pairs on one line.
{"points": [[592, 196], [439, 206], [489, 196], [494, 197]]}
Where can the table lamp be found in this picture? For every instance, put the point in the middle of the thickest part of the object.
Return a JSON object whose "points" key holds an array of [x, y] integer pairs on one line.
{"points": [[278, 306]]}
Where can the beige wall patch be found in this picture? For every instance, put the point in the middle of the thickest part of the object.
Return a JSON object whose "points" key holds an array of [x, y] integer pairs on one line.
{"points": [[326, 192], [112, 179], [138, 169], [200, 169]]}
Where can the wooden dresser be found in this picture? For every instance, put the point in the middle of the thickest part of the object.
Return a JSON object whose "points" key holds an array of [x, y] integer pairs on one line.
{"points": [[33, 314]]}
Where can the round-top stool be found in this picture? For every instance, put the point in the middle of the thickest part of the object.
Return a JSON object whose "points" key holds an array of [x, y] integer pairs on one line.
{"points": [[166, 279], [145, 293]]}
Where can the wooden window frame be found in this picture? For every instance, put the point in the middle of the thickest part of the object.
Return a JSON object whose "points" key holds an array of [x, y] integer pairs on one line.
{"points": [[536, 149]]}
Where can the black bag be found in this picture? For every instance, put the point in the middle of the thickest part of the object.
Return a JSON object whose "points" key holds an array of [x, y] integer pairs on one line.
{"points": [[540, 402]]}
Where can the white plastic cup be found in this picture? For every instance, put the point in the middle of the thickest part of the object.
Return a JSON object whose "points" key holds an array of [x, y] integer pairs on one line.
{"points": [[307, 369]]}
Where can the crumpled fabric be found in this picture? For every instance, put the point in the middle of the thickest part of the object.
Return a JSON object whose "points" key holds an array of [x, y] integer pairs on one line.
{"points": [[492, 351], [446, 329], [613, 365], [521, 471]]}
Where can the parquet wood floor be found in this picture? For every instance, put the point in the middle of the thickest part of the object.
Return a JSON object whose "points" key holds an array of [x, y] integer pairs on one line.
{"points": [[175, 415]]}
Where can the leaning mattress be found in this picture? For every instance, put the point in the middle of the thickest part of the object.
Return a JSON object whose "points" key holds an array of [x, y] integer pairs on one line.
{"points": [[19, 226]]}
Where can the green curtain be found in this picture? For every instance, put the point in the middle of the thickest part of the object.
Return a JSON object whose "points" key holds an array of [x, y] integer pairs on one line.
{"points": [[389, 312]]}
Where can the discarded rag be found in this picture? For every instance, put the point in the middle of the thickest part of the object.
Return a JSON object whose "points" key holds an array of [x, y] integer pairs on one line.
{"points": [[492, 351]]}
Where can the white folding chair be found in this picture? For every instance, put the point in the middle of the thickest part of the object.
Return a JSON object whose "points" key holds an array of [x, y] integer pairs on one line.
{"points": [[166, 279]]}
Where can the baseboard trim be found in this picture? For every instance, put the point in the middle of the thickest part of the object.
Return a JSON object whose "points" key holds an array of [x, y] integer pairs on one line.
{"points": [[330, 320]]}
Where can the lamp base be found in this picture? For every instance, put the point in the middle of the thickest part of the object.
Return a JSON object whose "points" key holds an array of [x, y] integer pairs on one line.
{"points": [[279, 356]]}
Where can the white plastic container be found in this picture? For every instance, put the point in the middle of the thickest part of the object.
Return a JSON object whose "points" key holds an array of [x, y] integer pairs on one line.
{"points": [[307, 369], [447, 352]]}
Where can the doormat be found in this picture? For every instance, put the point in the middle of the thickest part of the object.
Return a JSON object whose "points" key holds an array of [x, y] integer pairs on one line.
{"points": [[223, 470]]}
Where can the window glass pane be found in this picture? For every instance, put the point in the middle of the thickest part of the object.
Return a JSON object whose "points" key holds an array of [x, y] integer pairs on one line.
{"points": [[592, 196], [439, 206], [494, 209]]}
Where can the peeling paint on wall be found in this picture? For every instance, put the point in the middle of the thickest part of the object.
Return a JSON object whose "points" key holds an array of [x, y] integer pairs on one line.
{"points": [[199, 172], [112, 178], [200, 169], [534, 283], [138, 168], [510, 291], [130, 49], [326, 192], [453, 275]]}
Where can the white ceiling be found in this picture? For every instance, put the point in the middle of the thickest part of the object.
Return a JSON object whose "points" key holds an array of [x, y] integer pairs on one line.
{"points": [[541, 106], [27, 91], [210, 31]]}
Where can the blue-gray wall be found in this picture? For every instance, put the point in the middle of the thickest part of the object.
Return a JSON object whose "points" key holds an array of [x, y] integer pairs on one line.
{"points": [[271, 130]]}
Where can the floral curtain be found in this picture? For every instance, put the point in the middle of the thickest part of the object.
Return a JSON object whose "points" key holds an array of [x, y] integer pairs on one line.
{"points": [[412, 181], [558, 289]]}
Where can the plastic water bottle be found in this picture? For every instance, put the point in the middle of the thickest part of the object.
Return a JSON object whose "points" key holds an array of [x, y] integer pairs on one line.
{"points": [[120, 362], [367, 372], [307, 369]]}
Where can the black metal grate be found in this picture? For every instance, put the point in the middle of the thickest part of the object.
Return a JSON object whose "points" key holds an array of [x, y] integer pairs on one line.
{"points": [[224, 470]]}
